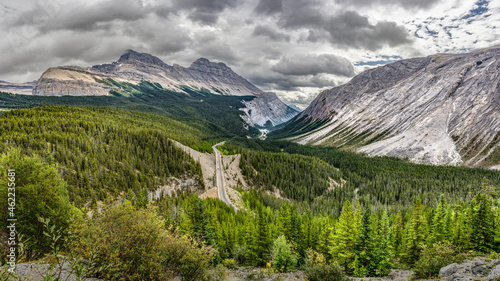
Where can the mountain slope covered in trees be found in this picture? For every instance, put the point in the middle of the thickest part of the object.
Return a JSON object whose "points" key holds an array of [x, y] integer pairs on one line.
{"points": [[101, 151]]}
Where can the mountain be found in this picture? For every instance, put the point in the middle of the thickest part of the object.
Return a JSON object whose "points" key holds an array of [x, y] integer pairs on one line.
{"points": [[17, 88], [442, 109], [133, 67]]}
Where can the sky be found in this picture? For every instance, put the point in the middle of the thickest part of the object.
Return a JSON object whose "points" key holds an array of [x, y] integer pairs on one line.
{"points": [[295, 48]]}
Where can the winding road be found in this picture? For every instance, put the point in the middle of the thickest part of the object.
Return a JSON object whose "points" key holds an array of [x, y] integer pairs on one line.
{"points": [[219, 176]]}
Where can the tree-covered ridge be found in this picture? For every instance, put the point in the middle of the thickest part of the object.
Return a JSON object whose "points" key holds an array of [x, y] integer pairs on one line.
{"points": [[302, 178], [103, 151], [391, 182], [217, 115]]}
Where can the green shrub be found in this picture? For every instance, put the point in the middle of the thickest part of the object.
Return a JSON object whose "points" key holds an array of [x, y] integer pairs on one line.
{"points": [[185, 257], [282, 255], [434, 258], [229, 263], [313, 258], [129, 244], [40, 192], [325, 272], [239, 253]]}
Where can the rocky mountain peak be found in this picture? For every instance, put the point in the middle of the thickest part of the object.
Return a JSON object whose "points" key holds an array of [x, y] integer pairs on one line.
{"points": [[215, 68], [132, 56]]}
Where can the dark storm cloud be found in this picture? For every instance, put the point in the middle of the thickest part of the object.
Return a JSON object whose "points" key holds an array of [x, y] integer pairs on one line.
{"points": [[277, 81], [346, 29], [351, 29], [269, 7], [84, 17], [302, 13], [261, 30], [204, 11], [407, 4], [312, 65]]}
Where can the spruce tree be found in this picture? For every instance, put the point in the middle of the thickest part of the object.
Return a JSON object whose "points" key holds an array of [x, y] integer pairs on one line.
{"points": [[341, 247], [481, 238], [416, 234]]}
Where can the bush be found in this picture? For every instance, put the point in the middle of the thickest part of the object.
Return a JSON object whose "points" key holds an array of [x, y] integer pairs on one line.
{"points": [[128, 242], [282, 255], [433, 258], [239, 253], [40, 192], [124, 243], [185, 257], [313, 258], [229, 263], [325, 272]]}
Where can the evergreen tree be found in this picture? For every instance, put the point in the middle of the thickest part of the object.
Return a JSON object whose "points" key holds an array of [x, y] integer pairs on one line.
{"points": [[416, 234], [262, 239], [342, 244], [364, 262], [481, 238], [397, 235], [201, 228]]}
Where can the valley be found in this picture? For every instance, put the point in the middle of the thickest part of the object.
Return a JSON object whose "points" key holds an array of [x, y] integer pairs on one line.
{"points": [[232, 177]]}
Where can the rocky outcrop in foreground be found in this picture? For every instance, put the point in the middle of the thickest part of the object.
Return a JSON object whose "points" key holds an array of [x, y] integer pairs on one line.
{"points": [[470, 270]]}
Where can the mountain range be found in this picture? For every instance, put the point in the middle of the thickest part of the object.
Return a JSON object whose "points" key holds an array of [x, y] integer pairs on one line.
{"points": [[266, 109], [443, 109]]}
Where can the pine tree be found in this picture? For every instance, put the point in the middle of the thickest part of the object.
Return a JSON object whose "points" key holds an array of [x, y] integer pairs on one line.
{"points": [[397, 235], [416, 234], [342, 244], [364, 263], [201, 228], [481, 238], [262, 239], [439, 231]]}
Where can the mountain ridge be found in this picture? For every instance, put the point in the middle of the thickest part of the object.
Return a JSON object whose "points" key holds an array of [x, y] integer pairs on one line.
{"points": [[442, 109], [134, 67]]}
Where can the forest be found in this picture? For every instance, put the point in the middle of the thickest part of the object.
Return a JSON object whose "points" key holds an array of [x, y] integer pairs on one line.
{"points": [[341, 212], [217, 115]]}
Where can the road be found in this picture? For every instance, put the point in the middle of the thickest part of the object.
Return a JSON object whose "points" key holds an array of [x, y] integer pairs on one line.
{"points": [[219, 178]]}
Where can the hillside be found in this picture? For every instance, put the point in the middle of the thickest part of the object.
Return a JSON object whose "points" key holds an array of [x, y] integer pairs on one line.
{"points": [[442, 109], [102, 152], [217, 115]]}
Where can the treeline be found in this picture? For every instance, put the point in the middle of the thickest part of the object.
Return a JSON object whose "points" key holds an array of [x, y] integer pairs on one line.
{"points": [[393, 183], [103, 152], [363, 241]]}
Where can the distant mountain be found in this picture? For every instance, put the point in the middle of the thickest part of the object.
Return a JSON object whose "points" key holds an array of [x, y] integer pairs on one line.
{"points": [[133, 67], [440, 109], [17, 88], [294, 107]]}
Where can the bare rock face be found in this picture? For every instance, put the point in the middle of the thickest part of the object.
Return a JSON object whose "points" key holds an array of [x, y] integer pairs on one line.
{"points": [[69, 81], [267, 110], [443, 109], [134, 67]]}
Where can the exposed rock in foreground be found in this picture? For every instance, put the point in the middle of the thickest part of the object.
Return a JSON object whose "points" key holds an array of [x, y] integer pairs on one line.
{"points": [[443, 109], [469, 270]]}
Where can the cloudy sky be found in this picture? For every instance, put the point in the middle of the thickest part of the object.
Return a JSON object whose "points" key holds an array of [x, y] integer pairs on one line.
{"points": [[293, 47]]}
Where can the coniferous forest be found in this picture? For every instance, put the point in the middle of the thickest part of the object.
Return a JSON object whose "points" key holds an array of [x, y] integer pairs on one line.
{"points": [[83, 175]]}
